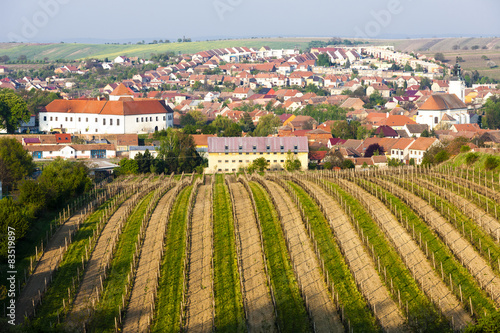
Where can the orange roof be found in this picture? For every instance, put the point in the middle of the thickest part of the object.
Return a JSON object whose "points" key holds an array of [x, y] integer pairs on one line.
{"points": [[108, 107], [122, 90], [467, 127], [443, 102], [396, 120], [202, 139], [422, 143], [402, 143]]}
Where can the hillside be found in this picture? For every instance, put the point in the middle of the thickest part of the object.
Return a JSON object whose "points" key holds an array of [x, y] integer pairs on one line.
{"points": [[73, 51]]}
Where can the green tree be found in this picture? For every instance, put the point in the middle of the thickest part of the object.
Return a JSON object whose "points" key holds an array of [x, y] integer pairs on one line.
{"points": [[292, 163], [439, 57], [348, 164], [491, 118], [323, 60], [15, 162], [13, 110], [12, 214], [234, 130], [64, 180], [178, 151], [491, 163], [260, 164], [408, 68], [267, 125], [128, 166], [246, 123], [425, 82]]}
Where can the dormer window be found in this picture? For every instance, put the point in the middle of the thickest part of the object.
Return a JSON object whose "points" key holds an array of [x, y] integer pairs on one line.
{"points": [[282, 147], [295, 147], [226, 147], [268, 147], [254, 147]]}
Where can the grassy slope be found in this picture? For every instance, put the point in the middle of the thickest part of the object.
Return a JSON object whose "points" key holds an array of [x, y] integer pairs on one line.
{"points": [[168, 304], [229, 315], [107, 309], [292, 316]]}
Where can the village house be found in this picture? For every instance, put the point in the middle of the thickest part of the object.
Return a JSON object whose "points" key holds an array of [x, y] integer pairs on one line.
{"points": [[418, 148]]}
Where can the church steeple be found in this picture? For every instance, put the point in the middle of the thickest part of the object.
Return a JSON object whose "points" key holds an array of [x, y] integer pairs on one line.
{"points": [[457, 84]]}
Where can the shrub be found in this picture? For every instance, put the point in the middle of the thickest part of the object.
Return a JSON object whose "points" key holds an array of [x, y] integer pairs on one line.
{"points": [[491, 163], [464, 149], [441, 156], [471, 158]]}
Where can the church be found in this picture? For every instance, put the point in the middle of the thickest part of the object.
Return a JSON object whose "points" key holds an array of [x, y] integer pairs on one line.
{"points": [[443, 110], [122, 114]]}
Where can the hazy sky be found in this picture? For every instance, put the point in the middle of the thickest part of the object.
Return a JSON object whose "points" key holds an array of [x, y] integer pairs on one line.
{"points": [[105, 20]]}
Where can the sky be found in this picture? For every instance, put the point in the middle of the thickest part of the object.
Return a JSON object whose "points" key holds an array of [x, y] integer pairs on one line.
{"points": [[133, 20]]}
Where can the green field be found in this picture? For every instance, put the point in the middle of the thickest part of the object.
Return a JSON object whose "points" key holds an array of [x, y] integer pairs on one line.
{"points": [[76, 51]]}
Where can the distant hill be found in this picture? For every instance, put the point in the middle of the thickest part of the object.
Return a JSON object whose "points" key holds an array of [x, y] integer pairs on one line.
{"points": [[428, 46]]}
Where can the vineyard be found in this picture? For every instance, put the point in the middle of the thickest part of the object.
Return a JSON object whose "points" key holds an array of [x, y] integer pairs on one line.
{"points": [[395, 250]]}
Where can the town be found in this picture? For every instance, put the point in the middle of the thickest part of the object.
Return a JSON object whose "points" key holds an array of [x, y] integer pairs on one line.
{"points": [[340, 100]]}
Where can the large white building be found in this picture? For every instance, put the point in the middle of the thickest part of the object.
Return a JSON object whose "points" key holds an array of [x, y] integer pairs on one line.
{"points": [[437, 106], [121, 116]]}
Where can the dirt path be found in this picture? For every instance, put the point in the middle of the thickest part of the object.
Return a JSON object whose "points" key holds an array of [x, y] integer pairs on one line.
{"points": [[260, 310], [306, 267], [477, 214], [86, 295], [138, 310], [47, 264], [199, 316], [413, 257], [359, 261], [462, 249]]}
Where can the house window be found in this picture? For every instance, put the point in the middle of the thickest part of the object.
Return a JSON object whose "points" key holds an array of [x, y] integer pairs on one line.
{"points": [[111, 122], [87, 120], [150, 118], [50, 118], [254, 147], [96, 120], [226, 147], [83, 151], [435, 120], [234, 161], [117, 122], [136, 120], [79, 119], [282, 161], [66, 119], [156, 118], [268, 147], [104, 121], [282, 147], [96, 130], [56, 118], [220, 161], [295, 147], [163, 117], [240, 161], [45, 118], [142, 119], [71, 119]]}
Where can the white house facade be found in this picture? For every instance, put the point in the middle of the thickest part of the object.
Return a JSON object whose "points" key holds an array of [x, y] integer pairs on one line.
{"points": [[106, 117], [432, 111]]}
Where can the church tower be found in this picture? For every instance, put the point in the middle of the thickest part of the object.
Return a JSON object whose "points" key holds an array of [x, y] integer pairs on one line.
{"points": [[457, 84]]}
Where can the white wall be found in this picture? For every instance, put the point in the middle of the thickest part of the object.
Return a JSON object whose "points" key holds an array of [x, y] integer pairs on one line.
{"points": [[104, 124]]}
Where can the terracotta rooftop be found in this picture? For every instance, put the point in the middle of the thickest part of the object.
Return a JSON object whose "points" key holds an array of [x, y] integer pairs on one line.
{"points": [[122, 90], [443, 102], [422, 143]]}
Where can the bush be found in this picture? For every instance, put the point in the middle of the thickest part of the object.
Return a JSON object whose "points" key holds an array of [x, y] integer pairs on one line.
{"points": [[441, 156], [491, 163], [471, 158], [348, 164], [464, 149]]}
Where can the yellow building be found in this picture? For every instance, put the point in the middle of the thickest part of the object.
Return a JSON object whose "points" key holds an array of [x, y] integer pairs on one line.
{"points": [[231, 154]]}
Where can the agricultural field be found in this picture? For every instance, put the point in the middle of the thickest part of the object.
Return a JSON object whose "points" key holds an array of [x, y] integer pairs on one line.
{"points": [[78, 51], [395, 250]]}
